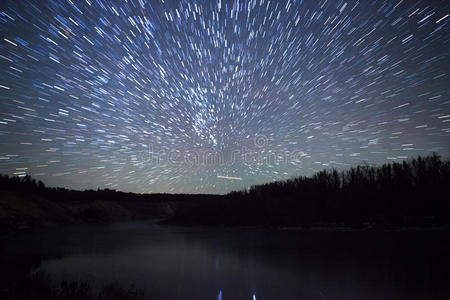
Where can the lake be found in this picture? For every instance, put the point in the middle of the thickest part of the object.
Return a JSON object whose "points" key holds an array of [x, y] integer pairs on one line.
{"points": [[237, 263]]}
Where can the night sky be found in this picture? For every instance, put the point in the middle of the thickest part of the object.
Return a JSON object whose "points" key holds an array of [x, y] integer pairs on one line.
{"points": [[215, 96]]}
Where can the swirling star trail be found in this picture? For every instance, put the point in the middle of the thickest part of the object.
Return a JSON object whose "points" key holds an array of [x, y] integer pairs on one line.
{"points": [[90, 88]]}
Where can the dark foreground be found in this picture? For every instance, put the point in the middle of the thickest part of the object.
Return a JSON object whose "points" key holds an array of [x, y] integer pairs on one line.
{"points": [[397, 195], [141, 261]]}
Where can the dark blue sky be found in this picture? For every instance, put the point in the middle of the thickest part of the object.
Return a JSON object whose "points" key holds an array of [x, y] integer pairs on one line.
{"points": [[209, 97]]}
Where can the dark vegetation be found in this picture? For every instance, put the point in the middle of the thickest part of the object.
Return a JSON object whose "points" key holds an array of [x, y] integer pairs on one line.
{"points": [[39, 286], [26, 203], [409, 193], [413, 192]]}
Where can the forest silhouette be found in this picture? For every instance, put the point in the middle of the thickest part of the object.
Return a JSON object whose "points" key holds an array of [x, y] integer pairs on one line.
{"points": [[412, 192]]}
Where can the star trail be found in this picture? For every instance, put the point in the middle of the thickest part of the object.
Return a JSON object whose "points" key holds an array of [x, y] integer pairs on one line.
{"points": [[215, 96]]}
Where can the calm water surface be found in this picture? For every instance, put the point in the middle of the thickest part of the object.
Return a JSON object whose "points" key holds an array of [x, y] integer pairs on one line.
{"points": [[180, 263]]}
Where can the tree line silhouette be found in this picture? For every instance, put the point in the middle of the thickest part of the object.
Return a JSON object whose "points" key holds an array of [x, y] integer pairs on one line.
{"points": [[27, 184], [413, 192], [409, 192], [27, 203]]}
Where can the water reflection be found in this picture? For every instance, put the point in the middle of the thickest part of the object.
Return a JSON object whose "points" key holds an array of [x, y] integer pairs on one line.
{"points": [[219, 296], [243, 264]]}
